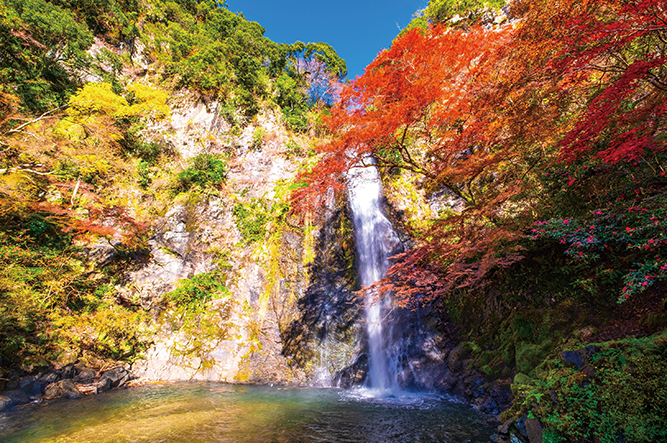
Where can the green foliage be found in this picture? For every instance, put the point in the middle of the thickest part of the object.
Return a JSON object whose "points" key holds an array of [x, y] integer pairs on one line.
{"points": [[292, 148], [293, 102], [252, 220], [203, 170], [327, 56], [193, 293], [637, 233], [200, 308], [50, 306], [115, 19], [143, 171], [259, 216], [201, 44], [220, 53], [624, 394], [457, 13], [42, 43], [257, 138]]}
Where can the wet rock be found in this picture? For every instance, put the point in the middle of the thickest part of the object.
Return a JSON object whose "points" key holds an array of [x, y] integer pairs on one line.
{"points": [[520, 425], [25, 381], [68, 371], [63, 388], [572, 359], [534, 430], [32, 387], [455, 357], [5, 403], [85, 375], [124, 380], [118, 376], [353, 375], [49, 377], [16, 397], [105, 384], [13, 380]]}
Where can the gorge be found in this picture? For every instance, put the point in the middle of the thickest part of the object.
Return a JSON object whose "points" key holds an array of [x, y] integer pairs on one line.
{"points": [[208, 235]]}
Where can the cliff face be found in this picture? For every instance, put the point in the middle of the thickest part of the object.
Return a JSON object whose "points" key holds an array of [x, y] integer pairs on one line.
{"points": [[198, 233]]}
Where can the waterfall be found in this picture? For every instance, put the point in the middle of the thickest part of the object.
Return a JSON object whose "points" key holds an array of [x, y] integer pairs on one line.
{"points": [[376, 242]]}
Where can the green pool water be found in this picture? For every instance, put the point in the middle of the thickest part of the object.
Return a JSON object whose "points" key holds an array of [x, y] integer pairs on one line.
{"points": [[213, 412]]}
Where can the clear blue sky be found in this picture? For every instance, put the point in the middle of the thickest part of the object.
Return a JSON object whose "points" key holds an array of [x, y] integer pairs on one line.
{"points": [[357, 29]]}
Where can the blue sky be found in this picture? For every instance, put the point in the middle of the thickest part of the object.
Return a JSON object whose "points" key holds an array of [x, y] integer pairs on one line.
{"points": [[357, 29]]}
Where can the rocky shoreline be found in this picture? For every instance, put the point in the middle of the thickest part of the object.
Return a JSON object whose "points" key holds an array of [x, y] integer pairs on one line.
{"points": [[70, 381]]}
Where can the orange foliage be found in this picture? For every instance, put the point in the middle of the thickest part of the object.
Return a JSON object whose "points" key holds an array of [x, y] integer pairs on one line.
{"points": [[478, 111]]}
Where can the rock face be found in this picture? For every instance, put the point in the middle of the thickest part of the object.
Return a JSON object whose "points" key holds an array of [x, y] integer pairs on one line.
{"points": [[265, 279], [325, 333]]}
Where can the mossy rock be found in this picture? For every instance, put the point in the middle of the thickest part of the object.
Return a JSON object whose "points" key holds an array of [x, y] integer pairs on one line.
{"points": [[529, 356], [656, 321], [519, 381]]}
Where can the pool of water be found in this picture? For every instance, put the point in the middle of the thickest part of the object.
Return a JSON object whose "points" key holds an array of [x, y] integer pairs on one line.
{"points": [[213, 412]]}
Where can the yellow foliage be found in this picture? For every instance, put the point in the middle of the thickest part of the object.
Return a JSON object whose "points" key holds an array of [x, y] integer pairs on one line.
{"points": [[99, 99], [96, 98], [151, 101], [69, 129]]}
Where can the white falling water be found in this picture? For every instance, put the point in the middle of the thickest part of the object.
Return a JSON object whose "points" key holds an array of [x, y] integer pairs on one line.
{"points": [[376, 241]]}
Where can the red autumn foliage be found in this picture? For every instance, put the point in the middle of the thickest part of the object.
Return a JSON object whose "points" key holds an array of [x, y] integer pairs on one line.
{"points": [[101, 220], [477, 111], [618, 50]]}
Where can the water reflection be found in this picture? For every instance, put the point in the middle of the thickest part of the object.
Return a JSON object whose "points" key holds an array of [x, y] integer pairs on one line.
{"points": [[208, 412]]}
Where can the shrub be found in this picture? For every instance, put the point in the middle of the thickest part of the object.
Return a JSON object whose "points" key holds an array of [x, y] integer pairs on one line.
{"points": [[204, 170], [252, 220]]}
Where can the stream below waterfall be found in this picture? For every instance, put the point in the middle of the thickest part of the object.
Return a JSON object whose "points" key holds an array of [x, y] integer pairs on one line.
{"points": [[215, 412]]}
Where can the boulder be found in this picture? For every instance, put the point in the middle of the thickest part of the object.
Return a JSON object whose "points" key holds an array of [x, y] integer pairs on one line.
{"points": [[68, 371], [104, 384], [13, 380], [49, 377], [572, 359], [118, 376], [534, 430], [32, 387], [63, 388], [455, 357], [13, 398], [5, 403], [85, 375]]}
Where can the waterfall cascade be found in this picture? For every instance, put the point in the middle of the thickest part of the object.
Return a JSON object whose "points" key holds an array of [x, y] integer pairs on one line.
{"points": [[376, 242]]}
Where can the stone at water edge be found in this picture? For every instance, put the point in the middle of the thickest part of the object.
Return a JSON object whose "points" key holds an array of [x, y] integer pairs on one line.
{"points": [[13, 398], [104, 384], [85, 375], [62, 388], [118, 376], [49, 377], [32, 387], [68, 371]]}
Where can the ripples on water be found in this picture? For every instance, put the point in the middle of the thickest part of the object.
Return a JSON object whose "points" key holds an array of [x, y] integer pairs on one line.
{"points": [[211, 412]]}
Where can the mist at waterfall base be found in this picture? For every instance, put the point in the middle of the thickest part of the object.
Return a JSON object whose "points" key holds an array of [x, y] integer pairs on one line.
{"points": [[216, 412]]}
